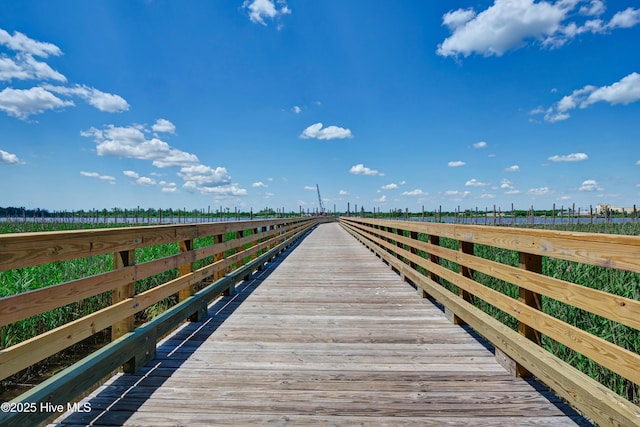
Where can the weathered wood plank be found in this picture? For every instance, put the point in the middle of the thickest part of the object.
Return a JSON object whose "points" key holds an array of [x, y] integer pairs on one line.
{"points": [[331, 336]]}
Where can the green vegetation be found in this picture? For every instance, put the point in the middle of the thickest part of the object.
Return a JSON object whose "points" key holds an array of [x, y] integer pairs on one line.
{"points": [[621, 283]]}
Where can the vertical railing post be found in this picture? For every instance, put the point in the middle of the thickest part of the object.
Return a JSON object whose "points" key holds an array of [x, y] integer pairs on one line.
{"points": [[434, 241], [219, 256], [186, 246], [529, 262], [120, 260], [465, 248]]}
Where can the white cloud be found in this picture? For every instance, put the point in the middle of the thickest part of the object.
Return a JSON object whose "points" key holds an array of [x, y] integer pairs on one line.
{"points": [[107, 102], [22, 103], [201, 176], [223, 191], [25, 67], [475, 183], [625, 91], [382, 199], [131, 142], [573, 157], [506, 184], [343, 193], [8, 158], [259, 184], [391, 186], [360, 169], [511, 24], [480, 144], [21, 43], [296, 109], [539, 191], [596, 8], [310, 188], [638, 163], [590, 185], [140, 180], [259, 10], [456, 164], [625, 19], [416, 192], [22, 65], [330, 132], [163, 125], [107, 178], [514, 168]]}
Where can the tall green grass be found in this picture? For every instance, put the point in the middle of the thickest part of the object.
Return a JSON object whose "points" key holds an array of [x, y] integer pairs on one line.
{"points": [[622, 283], [26, 279]]}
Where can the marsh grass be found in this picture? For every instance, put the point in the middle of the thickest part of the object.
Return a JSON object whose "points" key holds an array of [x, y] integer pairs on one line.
{"points": [[622, 283], [26, 279]]}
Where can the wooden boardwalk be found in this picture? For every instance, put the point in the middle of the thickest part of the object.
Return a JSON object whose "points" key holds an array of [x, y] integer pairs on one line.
{"points": [[325, 335]]}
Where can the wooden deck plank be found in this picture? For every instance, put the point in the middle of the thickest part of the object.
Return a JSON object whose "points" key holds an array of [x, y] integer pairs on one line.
{"points": [[331, 336]]}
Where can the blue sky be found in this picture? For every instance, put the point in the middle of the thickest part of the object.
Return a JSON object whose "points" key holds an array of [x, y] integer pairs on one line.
{"points": [[386, 105]]}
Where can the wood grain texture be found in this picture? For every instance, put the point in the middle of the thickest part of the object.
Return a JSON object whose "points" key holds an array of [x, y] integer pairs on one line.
{"points": [[331, 336]]}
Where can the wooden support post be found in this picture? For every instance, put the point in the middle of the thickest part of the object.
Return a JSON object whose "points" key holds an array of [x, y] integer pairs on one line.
{"points": [[466, 248], [121, 293], [533, 263], [219, 256], [414, 237], [186, 246], [435, 241]]}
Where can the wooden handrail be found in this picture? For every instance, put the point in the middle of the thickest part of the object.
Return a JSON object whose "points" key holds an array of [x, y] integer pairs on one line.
{"points": [[28, 249], [413, 249]]}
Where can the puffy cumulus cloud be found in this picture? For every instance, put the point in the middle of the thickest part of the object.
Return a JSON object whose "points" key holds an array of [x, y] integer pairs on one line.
{"points": [[163, 125], [416, 192], [259, 184], [391, 186], [21, 43], [456, 164], [8, 158], [330, 132], [259, 10], [475, 183], [345, 193], [480, 144], [107, 102], [199, 176], [106, 178], [131, 142], [625, 91], [22, 103], [223, 191], [309, 188], [361, 169], [26, 67], [514, 168], [296, 109], [511, 24], [140, 180], [590, 185], [573, 157], [21, 64]]}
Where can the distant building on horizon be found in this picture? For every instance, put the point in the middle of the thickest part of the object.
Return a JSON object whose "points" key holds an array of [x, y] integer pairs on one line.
{"points": [[603, 208]]}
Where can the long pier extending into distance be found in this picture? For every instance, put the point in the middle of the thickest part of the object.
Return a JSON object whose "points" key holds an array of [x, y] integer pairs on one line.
{"points": [[323, 322]]}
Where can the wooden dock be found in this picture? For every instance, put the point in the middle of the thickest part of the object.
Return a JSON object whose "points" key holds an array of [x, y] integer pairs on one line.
{"points": [[325, 335]]}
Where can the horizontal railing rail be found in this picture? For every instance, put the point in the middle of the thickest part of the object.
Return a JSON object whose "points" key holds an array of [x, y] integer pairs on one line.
{"points": [[525, 299], [225, 254]]}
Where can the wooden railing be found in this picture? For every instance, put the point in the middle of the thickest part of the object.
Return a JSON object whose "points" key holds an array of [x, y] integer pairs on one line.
{"points": [[236, 249], [458, 279]]}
